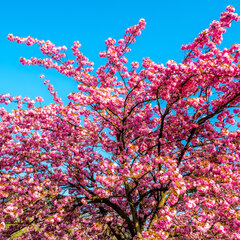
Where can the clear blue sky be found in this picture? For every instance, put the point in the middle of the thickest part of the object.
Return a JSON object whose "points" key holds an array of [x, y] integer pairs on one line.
{"points": [[169, 25]]}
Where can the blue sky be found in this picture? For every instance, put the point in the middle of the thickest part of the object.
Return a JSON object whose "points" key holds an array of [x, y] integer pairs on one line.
{"points": [[169, 25]]}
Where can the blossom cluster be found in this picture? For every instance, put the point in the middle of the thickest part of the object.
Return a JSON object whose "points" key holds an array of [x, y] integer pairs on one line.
{"points": [[136, 153]]}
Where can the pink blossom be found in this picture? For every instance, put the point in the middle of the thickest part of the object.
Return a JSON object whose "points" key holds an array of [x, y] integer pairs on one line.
{"points": [[146, 154]]}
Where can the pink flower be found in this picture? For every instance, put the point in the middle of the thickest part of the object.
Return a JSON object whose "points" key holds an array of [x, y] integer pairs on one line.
{"points": [[2, 226], [46, 82], [230, 8], [39, 99], [135, 65]]}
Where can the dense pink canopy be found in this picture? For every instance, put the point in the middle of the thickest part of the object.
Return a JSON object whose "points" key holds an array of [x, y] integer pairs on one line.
{"points": [[147, 152]]}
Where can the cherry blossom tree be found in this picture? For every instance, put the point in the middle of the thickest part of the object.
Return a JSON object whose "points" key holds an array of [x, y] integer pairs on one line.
{"points": [[147, 152]]}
